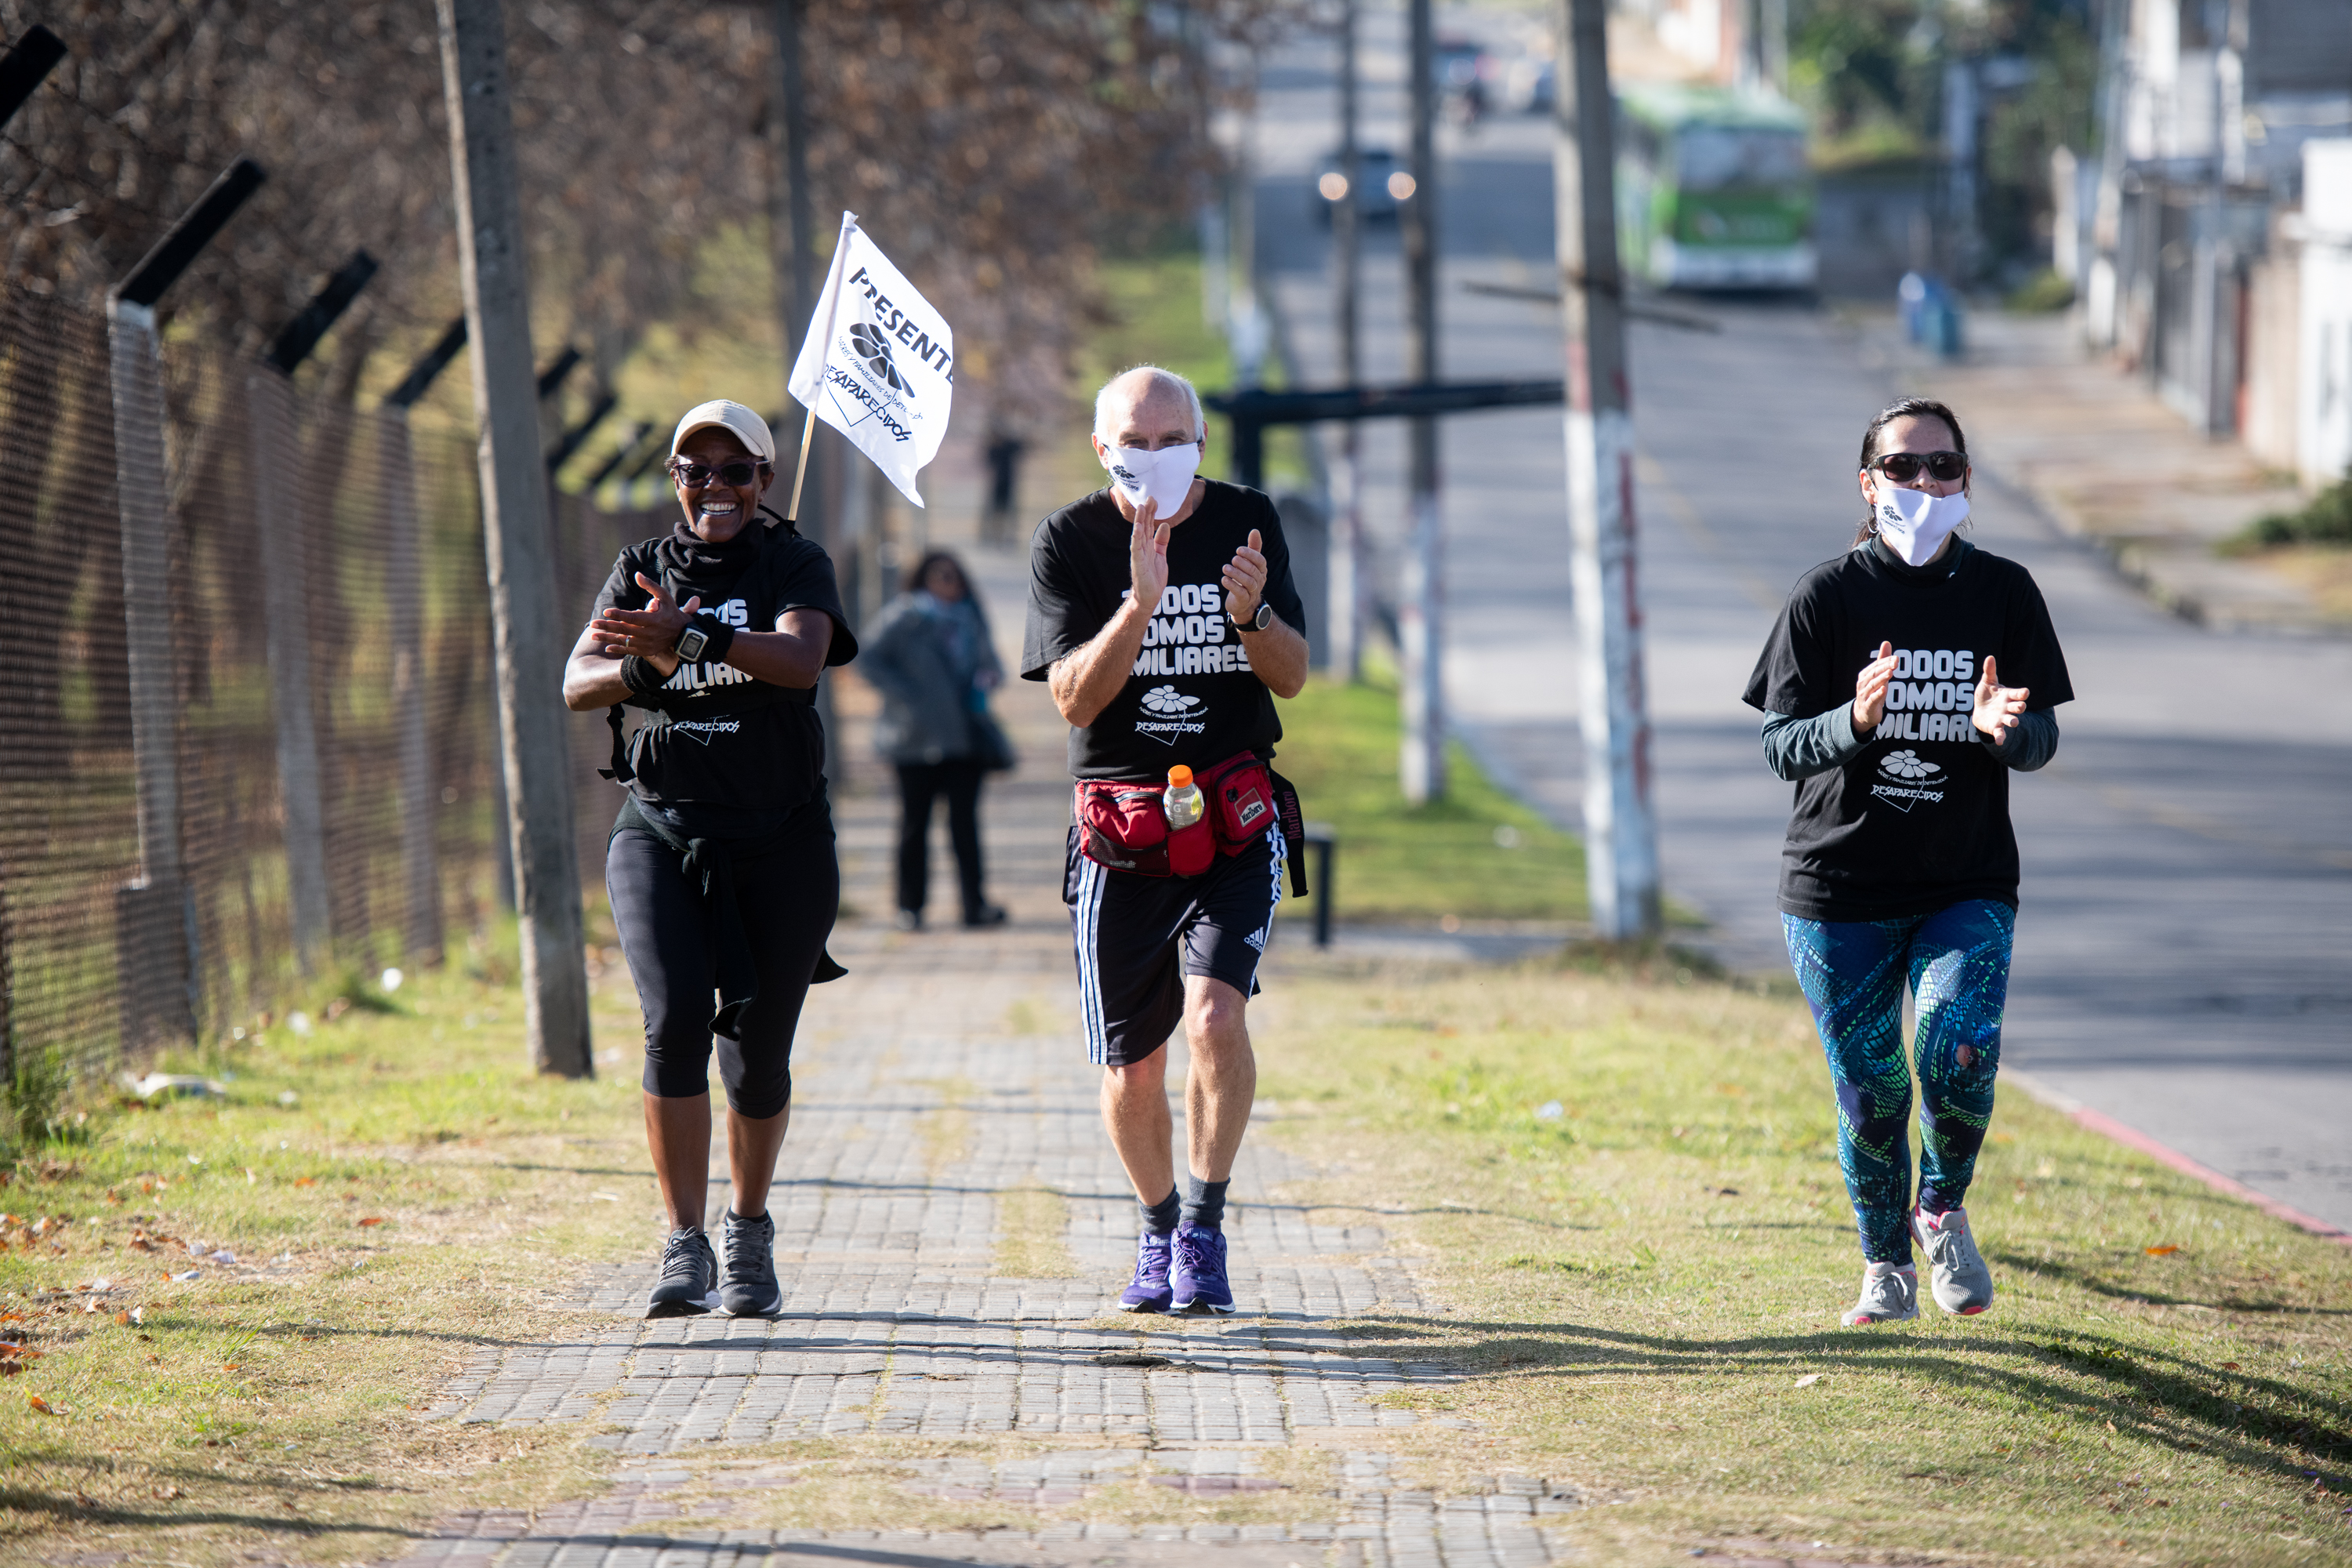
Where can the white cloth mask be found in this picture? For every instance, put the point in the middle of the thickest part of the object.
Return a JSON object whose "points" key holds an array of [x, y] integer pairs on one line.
{"points": [[1913, 524], [1163, 477]]}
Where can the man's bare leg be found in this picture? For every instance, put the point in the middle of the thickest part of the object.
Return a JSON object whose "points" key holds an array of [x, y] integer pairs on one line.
{"points": [[1223, 1084], [1135, 1114]]}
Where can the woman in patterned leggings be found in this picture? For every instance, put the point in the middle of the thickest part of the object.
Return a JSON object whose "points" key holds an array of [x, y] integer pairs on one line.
{"points": [[1902, 684]]}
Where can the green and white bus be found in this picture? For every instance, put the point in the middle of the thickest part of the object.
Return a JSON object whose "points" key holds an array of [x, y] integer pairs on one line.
{"points": [[1713, 189]]}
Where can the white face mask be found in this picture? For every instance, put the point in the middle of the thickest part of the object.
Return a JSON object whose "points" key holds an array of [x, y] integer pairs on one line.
{"points": [[1163, 477], [1913, 524]]}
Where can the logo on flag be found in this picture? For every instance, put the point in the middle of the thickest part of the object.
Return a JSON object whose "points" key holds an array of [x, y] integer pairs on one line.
{"points": [[878, 361], [874, 349]]}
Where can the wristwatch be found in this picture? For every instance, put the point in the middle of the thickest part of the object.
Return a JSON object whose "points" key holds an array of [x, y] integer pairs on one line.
{"points": [[1257, 623], [690, 644]]}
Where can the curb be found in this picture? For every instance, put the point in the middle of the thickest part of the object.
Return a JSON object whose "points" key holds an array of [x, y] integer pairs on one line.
{"points": [[2107, 1127]]}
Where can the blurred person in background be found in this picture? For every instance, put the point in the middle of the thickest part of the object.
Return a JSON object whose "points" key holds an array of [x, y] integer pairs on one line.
{"points": [[930, 657], [721, 865]]}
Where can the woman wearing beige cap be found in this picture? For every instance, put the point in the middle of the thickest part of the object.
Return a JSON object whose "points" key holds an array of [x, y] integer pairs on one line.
{"points": [[721, 866]]}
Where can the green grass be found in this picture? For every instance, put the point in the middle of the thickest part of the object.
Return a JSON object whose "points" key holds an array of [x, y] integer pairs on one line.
{"points": [[399, 1191], [2327, 521], [1478, 854], [1153, 306], [1644, 1288]]}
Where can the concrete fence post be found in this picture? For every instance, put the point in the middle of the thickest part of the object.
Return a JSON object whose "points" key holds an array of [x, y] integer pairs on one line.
{"points": [[286, 614], [420, 849], [155, 913]]}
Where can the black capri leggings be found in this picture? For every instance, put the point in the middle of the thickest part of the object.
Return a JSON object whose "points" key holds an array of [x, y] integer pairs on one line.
{"points": [[670, 934]]}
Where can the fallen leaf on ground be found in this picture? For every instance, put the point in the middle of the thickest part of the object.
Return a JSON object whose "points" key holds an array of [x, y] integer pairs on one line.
{"points": [[306, 1181], [2166, 1250], [2228, 1367], [371, 1219], [122, 1319], [39, 1404], [1810, 1379]]}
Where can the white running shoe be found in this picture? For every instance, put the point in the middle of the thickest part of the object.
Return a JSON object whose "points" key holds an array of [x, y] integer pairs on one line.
{"points": [[1890, 1294], [1958, 1279]]}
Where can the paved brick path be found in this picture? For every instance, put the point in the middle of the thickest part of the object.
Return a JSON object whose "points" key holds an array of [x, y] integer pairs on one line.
{"points": [[943, 1075]]}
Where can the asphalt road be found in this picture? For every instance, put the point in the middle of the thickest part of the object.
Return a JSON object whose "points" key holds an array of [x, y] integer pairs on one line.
{"points": [[2184, 959]]}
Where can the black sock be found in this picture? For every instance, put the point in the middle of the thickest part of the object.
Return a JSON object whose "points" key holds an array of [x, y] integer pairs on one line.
{"points": [[1160, 1218], [1204, 1203]]}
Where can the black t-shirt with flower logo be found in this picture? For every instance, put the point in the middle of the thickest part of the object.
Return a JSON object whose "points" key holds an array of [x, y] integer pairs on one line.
{"points": [[1918, 819], [1192, 697], [734, 756]]}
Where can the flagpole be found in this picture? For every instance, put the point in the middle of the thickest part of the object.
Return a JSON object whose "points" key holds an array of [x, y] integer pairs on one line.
{"points": [[832, 309], [799, 471]]}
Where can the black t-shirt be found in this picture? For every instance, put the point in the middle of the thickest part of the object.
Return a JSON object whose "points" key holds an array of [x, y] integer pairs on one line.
{"points": [[1192, 697], [735, 755], [1918, 818]]}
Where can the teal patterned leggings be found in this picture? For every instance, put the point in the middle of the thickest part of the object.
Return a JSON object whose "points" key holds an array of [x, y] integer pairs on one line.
{"points": [[1956, 962]]}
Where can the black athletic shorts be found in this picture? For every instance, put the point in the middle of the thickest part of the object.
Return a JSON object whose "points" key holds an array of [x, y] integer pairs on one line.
{"points": [[1139, 937]]}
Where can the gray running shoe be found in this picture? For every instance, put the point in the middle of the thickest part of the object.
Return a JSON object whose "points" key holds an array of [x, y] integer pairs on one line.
{"points": [[750, 1288], [1958, 1279], [1890, 1294], [689, 1271]]}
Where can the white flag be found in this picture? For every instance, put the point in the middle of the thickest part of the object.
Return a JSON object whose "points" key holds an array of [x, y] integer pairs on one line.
{"points": [[878, 362]]}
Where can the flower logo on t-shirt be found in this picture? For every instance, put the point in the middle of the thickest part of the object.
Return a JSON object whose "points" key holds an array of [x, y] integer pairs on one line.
{"points": [[1908, 765], [1909, 779], [1168, 699]]}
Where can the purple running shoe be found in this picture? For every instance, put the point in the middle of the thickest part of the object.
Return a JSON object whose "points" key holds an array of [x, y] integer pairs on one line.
{"points": [[1199, 1276], [1148, 1292]]}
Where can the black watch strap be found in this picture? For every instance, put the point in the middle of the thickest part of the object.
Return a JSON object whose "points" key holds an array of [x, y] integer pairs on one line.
{"points": [[1257, 623], [716, 637]]}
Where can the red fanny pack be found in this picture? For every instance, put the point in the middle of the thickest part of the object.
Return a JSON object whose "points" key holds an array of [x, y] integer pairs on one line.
{"points": [[1124, 826]]}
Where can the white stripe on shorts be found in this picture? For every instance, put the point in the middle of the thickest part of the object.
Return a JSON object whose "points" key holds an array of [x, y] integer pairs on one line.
{"points": [[1086, 928]]}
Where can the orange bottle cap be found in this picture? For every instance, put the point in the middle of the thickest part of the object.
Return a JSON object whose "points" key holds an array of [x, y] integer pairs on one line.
{"points": [[1179, 775]]}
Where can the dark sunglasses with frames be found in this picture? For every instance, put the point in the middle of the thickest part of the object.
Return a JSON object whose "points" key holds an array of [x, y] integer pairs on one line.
{"points": [[698, 476], [1904, 467]]}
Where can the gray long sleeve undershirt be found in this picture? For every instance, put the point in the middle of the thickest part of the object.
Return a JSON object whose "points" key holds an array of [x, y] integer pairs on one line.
{"points": [[1799, 748]]}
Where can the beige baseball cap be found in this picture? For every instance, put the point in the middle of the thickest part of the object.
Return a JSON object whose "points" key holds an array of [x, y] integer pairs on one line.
{"points": [[733, 418]]}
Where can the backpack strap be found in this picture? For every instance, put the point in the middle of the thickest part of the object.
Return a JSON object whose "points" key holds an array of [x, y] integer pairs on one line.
{"points": [[620, 772]]}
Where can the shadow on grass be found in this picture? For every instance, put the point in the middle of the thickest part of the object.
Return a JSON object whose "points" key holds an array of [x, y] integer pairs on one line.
{"points": [[2074, 1274], [2154, 1395], [64, 1508]]}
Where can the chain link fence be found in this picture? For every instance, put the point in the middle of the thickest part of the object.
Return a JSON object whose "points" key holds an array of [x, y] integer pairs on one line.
{"points": [[267, 753]]}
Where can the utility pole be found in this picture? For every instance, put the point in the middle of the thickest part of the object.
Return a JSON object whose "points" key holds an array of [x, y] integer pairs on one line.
{"points": [[1621, 840], [792, 226], [527, 635], [1246, 326], [792, 222], [1422, 768], [1345, 619]]}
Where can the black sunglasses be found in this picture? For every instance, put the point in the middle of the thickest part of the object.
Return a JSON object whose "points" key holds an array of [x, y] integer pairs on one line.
{"points": [[696, 476], [1904, 467]]}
